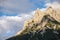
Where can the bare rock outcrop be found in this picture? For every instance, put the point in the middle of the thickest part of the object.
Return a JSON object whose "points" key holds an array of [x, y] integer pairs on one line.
{"points": [[44, 25]]}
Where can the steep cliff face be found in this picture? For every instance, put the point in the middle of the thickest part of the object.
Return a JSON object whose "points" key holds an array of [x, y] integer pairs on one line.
{"points": [[43, 26]]}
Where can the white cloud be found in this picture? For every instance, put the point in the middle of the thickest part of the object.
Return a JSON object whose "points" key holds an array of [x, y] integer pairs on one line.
{"points": [[54, 5], [9, 25], [15, 6], [18, 6]]}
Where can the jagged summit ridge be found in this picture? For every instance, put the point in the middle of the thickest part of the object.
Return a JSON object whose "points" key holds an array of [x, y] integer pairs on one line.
{"points": [[42, 26], [39, 18]]}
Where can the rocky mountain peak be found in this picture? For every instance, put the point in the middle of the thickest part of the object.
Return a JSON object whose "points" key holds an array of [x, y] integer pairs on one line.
{"points": [[43, 26]]}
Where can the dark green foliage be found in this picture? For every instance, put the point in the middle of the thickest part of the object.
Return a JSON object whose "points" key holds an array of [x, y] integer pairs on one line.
{"points": [[50, 35], [47, 35]]}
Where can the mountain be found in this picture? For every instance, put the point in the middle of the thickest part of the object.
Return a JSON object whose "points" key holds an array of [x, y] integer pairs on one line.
{"points": [[45, 25]]}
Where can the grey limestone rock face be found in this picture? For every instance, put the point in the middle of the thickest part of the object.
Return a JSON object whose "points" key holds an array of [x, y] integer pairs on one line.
{"points": [[43, 26]]}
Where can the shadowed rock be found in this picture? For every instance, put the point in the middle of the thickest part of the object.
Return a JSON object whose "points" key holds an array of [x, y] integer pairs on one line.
{"points": [[43, 26]]}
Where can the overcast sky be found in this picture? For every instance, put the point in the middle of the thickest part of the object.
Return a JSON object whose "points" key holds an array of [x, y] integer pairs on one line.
{"points": [[13, 13]]}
